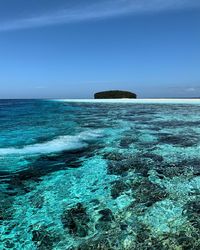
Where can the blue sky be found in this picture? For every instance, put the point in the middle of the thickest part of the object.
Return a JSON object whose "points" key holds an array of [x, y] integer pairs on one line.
{"points": [[71, 49]]}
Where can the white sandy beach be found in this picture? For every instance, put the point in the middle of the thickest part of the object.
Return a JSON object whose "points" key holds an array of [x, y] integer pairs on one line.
{"points": [[181, 101]]}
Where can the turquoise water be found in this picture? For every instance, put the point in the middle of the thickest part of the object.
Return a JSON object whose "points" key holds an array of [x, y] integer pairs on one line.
{"points": [[78, 175]]}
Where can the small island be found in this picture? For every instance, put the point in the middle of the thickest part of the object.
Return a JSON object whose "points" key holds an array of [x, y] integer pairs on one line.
{"points": [[114, 94]]}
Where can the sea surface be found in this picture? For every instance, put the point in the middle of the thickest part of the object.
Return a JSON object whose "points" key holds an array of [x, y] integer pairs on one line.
{"points": [[80, 175]]}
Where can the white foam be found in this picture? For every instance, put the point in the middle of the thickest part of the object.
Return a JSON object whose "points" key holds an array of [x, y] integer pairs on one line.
{"points": [[90, 135], [62, 143]]}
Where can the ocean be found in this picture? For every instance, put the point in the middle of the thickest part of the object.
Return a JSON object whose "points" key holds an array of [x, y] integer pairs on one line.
{"points": [[83, 175]]}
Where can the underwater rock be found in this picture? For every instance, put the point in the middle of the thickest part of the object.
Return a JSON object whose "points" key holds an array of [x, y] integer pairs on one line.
{"points": [[44, 239], [76, 220], [118, 187]]}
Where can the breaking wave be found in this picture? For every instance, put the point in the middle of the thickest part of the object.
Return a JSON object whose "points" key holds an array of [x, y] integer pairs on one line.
{"points": [[62, 143]]}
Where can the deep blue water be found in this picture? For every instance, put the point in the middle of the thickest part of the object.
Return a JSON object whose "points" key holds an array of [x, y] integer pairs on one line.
{"points": [[99, 175]]}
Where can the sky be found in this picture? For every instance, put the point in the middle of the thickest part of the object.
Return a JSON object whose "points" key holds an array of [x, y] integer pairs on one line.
{"points": [[74, 48]]}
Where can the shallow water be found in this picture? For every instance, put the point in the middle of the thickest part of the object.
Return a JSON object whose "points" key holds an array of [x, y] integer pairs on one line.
{"points": [[78, 175]]}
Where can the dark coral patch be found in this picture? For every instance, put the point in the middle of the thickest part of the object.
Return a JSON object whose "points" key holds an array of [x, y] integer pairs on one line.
{"points": [[192, 209], [104, 222], [117, 168], [76, 220], [106, 215], [127, 141], [179, 140], [170, 170], [114, 156], [137, 164], [155, 157], [184, 167], [148, 193], [44, 239], [145, 239], [9, 244], [118, 187], [102, 243], [6, 209]]}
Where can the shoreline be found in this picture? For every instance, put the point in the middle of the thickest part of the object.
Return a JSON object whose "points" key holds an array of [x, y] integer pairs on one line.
{"points": [[136, 101]]}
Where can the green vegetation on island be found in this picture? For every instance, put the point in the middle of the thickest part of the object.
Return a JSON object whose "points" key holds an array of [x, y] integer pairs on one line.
{"points": [[115, 94]]}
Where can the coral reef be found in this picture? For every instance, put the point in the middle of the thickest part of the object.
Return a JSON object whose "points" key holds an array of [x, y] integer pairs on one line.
{"points": [[76, 220]]}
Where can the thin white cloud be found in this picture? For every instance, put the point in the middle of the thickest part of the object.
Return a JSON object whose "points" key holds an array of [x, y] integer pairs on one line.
{"points": [[191, 89], [96, 10]]}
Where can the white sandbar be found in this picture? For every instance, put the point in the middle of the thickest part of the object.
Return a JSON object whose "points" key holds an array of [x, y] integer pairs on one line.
{"points": [[143, 101]]}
